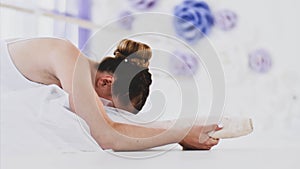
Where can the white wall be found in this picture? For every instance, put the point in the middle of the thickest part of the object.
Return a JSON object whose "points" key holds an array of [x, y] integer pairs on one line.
{"points": [[16, 24], [271, 99]]}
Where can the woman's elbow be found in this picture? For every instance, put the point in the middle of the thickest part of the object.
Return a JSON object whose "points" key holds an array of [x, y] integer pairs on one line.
{"points": [[108, 140], [107, 146], [112, 144]]}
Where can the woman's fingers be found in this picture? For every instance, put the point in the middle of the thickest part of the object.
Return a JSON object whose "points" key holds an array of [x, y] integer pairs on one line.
{"points": [[212, 141], [203, 138], [206, 129], [204, 142], [212, 127]]}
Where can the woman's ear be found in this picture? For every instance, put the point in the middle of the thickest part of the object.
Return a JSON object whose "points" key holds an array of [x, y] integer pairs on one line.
{"points": [[104, 81]]}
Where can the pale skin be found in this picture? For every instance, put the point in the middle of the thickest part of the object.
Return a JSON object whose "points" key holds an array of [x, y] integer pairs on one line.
{"points": [[56, 61]]}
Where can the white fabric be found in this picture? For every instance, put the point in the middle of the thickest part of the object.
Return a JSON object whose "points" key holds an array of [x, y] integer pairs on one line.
{"points": [[105, 102], [35, 117], [38, 120]]}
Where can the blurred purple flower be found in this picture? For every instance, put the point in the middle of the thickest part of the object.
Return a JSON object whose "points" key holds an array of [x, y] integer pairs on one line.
{"points": [[193, 20], [126, 20], [143, 4], [183, 63], [260, 61], [225, 19]]}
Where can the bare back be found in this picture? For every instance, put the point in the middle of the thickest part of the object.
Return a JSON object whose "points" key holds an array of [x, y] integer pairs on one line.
{"points": [[40, 59]]}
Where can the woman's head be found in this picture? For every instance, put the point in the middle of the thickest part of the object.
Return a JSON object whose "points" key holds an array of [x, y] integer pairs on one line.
{"points": [[130, 77]]}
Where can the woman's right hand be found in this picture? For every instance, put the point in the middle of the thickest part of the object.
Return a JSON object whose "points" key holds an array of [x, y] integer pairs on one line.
{"points": [[198, 138]]}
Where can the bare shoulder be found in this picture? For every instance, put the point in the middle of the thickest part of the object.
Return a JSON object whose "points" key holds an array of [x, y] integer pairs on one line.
{"points": [[41, 40], [48, 45], [64, 56], [48, 48], [59, 56]]}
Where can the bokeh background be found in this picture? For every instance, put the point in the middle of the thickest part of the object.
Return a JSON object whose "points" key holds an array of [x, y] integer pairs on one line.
{"points": [[257, 42]]}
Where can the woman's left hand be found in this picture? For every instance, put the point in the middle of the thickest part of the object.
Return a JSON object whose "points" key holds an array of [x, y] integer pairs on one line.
{"points": [[198, 138]]}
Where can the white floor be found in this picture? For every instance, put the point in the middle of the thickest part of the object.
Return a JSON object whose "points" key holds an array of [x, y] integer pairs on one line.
{"points": [[254, 151]]}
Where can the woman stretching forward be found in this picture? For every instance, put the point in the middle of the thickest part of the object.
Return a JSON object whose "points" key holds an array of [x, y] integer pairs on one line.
{"points": [[123, 79]]}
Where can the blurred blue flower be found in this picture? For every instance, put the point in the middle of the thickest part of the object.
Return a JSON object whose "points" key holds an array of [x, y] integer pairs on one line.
{"points": [[143, 4], [125, 20], [193, 20], [225, 19], [260, 60], [183, 64]]}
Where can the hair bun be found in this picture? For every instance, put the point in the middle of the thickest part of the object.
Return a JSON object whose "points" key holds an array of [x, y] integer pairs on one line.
{"points": [[135, 52]]}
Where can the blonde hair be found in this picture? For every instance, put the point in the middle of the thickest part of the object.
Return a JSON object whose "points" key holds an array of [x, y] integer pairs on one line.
{"points": [[135, 52]]}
